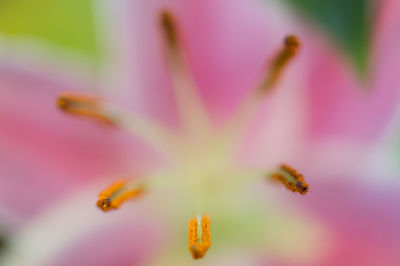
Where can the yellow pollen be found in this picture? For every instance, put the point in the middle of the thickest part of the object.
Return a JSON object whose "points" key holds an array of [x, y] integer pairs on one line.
{"points": [[287, 53], [199, 236], [116, 194], [83, 105], [292, 180]]}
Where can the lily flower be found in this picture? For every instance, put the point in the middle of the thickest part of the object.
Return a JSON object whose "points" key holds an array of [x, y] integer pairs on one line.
{"points": [[172, 156]]}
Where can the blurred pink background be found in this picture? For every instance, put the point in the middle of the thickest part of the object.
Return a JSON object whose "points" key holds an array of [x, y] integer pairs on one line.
{"points": [[338, 128]]}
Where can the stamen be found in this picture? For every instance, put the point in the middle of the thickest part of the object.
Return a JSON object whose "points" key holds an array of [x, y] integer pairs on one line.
{"points": [[84, 105], [289, 50], [169, 29], [191, 108], [292, 180], [199, 236], [156, 135], [252, 102], [117, 193]]}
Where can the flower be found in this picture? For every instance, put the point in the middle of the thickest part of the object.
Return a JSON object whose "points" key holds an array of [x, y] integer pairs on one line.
{"points": [[203, 168]]}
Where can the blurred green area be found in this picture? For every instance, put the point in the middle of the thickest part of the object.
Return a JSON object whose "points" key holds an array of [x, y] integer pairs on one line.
{"points": [[3, 243], [68, 23], [348, 22]]}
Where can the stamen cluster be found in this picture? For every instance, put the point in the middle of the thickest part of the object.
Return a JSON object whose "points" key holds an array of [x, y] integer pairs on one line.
{"points": [[195, 121]]}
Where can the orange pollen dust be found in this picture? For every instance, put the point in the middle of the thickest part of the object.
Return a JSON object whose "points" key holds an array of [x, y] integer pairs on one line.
{"points": [[296, 181], [116, 194], [198, 246], [290, 48], [83, 105]]}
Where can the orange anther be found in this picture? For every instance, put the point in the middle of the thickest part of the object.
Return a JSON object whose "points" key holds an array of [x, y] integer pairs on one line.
{"points": [[168, 27], [116, 194], [292, 180], [288, 51], [198, 246], [83, 105]]}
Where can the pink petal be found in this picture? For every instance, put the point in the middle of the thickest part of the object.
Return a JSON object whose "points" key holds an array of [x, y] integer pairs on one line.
{"points": [[44, 153], [363, 219], [340, 104], [126, 243], [73, 232], [228, 44]]}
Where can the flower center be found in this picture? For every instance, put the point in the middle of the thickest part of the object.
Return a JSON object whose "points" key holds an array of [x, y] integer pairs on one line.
{"points": [[203, 164]]}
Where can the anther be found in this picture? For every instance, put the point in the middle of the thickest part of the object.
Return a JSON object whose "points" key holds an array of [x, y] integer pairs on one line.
{"points": [[85, 106], [287, 53], [292, 180], [169, 29], [193, 115], [117, 193], [199, 236]]}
